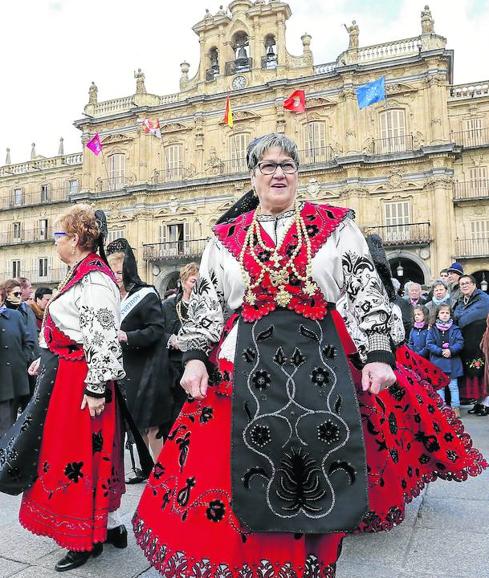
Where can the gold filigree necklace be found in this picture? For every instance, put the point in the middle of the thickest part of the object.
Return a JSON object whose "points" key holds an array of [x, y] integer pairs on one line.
{"points": [[279, 274]]}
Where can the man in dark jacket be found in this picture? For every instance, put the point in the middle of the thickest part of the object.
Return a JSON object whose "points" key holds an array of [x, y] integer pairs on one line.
{"points": [[455, 272], [42, 297]]}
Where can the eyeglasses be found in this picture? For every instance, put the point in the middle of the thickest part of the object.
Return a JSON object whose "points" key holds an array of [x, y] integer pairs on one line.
{"points": [[58, 234], [16, 293], [269, 168]]}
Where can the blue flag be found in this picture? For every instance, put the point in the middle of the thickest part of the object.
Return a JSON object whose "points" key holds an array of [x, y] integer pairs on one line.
{"points": [[371, 92]]}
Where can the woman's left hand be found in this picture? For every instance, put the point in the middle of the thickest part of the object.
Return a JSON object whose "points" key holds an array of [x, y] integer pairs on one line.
{"points": [[377, 376], [122, 336], [96, 405]]}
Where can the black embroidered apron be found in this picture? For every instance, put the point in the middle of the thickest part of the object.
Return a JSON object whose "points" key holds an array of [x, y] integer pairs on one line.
{"points": [[298, 456]]}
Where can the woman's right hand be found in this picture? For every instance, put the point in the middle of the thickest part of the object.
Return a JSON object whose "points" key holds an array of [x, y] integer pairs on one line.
{"points": [[195, 379], [33, 368]]}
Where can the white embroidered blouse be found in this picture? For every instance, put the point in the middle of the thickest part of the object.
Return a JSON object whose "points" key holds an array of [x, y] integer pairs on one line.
{"points": [[342, 268], [89, 313]]}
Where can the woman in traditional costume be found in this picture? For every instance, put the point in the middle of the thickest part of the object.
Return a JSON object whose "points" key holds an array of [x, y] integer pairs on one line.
{"points": [[65, 450], [142, 338], [290, 443]]}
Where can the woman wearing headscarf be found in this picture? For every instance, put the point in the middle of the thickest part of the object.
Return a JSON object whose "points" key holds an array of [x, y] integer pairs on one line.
{"points": [[141, 336], [65, 450]]}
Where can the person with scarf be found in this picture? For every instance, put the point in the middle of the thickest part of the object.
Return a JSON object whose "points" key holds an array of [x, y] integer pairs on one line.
{"points": [[444, 343], [440, 296], [175, 311], [419, 332], [65, 451], [141, 337], [16, 347], [42, 297], [470, 315], [289, 438]]}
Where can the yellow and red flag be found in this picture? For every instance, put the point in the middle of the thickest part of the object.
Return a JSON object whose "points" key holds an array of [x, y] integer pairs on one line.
{"points": [[228, 113]]}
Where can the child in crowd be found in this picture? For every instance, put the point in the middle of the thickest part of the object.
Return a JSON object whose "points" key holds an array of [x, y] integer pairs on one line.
{"points": [[419, 332], [444, 343]]}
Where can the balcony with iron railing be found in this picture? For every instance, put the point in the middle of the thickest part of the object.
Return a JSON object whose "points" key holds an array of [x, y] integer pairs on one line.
{"points": [[238, 65], [269, 61], [174, 251], [472, 248], [36, 235], [475, 189], [43, 275], [316, 155], [19, 199], [403, 235], [393, 145], [473, 138]]}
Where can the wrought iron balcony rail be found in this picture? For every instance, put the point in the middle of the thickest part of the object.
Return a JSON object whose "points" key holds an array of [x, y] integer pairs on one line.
{"points": [[469, 190], [40, 197], [393, 144], [178, 172], [269, 61], [37, 276], [36, 235], [402, 235], [316, 155], [471, 138], [211, 73], [114, 183], [476, 247], [174, 250], [238, 65]]}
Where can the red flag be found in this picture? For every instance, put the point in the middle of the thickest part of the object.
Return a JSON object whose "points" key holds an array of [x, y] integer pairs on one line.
{"points": [[95, 145], [228, 113], [152, 127], [296, 101]]}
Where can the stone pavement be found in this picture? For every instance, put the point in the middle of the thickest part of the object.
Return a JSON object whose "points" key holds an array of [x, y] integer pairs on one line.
{"points": [[445, 534]]}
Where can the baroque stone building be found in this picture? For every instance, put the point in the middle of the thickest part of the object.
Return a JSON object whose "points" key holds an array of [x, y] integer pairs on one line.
{"points": [[413, 167]]}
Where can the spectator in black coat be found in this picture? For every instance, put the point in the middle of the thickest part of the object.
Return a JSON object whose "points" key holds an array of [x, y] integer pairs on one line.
{"points": [[16, 348], [141, 337], [175, 311]]}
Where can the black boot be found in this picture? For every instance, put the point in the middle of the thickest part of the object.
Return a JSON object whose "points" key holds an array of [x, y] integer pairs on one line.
{"points": [[138, 477], [117, 536], [476, 409], [76, 559]]}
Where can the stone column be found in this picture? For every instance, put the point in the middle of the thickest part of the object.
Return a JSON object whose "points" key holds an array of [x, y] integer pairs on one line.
{"points": [[443, 222]]}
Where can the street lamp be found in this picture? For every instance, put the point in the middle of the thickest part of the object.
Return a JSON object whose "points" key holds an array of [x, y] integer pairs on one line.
{"points": [[484, 283], [400, 271]]}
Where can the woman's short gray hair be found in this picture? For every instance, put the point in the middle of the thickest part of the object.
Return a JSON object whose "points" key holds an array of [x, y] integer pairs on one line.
{"points": [[438, 282], [259, 146]]}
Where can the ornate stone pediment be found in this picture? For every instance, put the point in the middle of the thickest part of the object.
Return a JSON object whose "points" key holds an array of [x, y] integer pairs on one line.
{"points": [[320, 102], [399, 88], [171, 127], [119, 217], [243, 115], [116, 138]]}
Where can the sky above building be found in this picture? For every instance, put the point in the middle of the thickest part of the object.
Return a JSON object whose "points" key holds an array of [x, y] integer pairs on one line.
{"points": [[51, 50]]}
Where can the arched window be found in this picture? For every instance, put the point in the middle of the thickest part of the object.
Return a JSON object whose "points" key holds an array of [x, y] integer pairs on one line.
{"points": [[315, 149], [238, 144], [117, 169], [213, 69], [173, 162], [393, 131], [270, 59], [242, 60]]}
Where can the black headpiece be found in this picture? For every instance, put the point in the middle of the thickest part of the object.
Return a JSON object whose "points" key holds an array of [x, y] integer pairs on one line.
{"points": [[247, 202], [130, 276], [381, 263], [102, 225]]}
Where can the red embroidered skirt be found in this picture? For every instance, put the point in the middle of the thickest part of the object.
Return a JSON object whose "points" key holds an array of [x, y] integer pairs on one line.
{"points": [[185, 523], [80, 472]]}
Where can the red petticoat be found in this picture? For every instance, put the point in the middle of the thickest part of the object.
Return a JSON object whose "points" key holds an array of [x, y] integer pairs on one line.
{"points": [[80, 473], [473, 388], [185, 524]]}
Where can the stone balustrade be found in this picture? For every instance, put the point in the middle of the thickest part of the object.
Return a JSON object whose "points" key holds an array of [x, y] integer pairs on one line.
{"points": [[389, 50], [325, 68], [469, 90], [41, 164]]}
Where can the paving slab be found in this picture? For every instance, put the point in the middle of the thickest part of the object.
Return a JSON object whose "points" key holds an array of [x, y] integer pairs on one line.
{"points": [[471, 489], [22, 546], [448, 553], [10, 567], [455, 514]]}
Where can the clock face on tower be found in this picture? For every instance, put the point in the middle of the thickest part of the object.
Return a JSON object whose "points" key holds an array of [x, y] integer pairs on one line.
{"points": [[239, 82]]}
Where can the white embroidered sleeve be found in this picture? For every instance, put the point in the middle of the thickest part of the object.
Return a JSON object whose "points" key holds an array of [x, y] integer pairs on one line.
{"points": [[99, 322], [366, 296], [205, 316]]}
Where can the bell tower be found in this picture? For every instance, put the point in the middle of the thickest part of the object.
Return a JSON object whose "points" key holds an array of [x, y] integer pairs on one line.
{"points": [[244, 45]]}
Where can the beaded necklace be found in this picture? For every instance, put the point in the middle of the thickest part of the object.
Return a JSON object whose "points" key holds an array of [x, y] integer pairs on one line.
{"points": [[279, 273]]}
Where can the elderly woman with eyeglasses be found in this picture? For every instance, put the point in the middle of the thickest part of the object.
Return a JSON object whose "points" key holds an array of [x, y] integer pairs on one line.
{"points": [[289, 440], [65, 450], [470, 313]]}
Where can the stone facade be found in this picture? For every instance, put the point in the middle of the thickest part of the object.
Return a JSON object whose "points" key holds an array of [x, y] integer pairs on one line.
{"points": [[414, 167]]}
